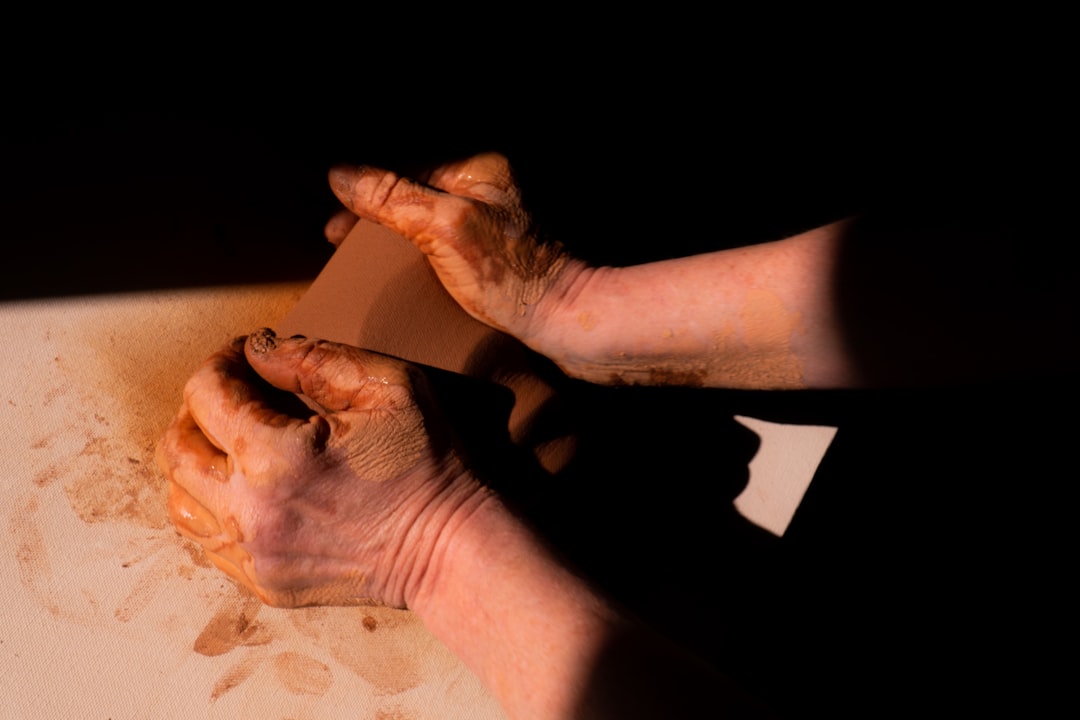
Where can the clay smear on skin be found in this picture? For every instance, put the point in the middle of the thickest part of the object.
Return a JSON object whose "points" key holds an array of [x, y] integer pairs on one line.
{"points": [[766, 323]]}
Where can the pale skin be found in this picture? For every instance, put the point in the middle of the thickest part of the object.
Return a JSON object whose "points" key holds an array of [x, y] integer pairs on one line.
{"points": [[359, 495], [848, 304], [767, 325]]}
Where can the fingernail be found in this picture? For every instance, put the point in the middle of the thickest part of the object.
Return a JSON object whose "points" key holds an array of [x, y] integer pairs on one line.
{"points": [[263, 341], [342, 175]]}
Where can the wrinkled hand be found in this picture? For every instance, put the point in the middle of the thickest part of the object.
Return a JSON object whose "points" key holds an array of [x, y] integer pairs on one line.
{"points": [[312, 472], [467, 217]]}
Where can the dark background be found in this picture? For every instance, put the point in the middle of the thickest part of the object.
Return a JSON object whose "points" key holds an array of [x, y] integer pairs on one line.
{"points": [[102, 196]]}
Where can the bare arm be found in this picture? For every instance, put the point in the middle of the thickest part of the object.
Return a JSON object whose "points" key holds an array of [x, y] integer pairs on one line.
{"points": [[854, 303], [753, 317], [547, 645]]}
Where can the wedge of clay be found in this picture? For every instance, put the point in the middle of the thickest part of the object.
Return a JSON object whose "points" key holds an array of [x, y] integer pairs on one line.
{"points": [[378, 292]]}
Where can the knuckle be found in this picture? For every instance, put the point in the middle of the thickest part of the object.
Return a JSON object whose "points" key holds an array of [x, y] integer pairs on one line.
{"points": [[391, 190], [313, 366]]}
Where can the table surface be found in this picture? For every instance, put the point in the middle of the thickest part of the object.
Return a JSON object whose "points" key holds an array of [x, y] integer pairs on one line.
{"points": [[108, 612]]}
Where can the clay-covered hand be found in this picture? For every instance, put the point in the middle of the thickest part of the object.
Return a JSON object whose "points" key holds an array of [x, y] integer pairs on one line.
{"points": [[314, 473], [468, 218]]}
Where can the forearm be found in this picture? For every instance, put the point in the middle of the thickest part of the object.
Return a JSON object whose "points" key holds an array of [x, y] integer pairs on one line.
{"points": [[853, 304], [546, 645], [523, 623], [758, 317]]}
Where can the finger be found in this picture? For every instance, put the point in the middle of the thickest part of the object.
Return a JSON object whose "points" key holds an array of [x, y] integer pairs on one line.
{"points": [[240, 566], [485, 177], [399, 203], [340, 225], [199, 485], [190, 517], [337, 377], [191, 462], [195, 522], [234, 409]]}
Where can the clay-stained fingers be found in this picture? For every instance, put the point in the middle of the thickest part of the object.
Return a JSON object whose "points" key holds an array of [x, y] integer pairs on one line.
{"points": [[189, 460], [337, 377], [238, 564], [486, 177], [200, 493], [190, 517], [234, 409], [402, 204], [339, 226], [222, 542]]}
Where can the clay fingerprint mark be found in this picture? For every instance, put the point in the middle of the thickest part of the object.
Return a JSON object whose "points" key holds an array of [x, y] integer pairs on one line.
{"points": [[233, 625], [147, 585], [34, 545], [302, 674], [394, 714], [198, 558], [31, 553], [235, 676], [149, 559], [384, 647]]}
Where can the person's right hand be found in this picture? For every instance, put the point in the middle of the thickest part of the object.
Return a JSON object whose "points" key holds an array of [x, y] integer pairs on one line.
{"points": [[467, 217], [315, 473]]}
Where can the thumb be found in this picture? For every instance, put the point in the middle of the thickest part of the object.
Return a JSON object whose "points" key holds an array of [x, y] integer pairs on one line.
{"points": [[382, 196], [335, 376]]}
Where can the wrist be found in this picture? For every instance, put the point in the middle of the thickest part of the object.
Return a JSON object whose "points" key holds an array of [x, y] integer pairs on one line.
{"points": [[563, 328], [427, 531], [542, 641], [528, 627], [459, 544]]}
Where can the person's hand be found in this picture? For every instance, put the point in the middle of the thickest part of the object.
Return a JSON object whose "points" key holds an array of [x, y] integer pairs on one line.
{"points": [[468, 218], [313, 473]]}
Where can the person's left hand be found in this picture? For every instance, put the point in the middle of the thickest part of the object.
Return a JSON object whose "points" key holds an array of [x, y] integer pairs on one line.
{"points": [[469, 219], [314, 473]]}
